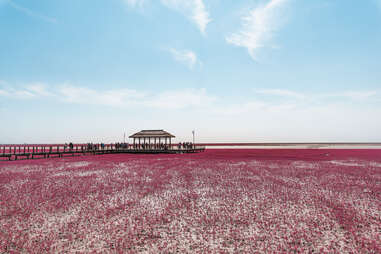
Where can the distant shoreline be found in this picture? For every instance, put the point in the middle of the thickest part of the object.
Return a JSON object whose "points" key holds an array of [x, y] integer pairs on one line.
{"points": [[324, 145], [292, 145], [238, 144]]}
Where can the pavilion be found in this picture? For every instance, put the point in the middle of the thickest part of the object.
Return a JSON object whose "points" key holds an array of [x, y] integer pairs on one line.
{"points": [[152, 137]]}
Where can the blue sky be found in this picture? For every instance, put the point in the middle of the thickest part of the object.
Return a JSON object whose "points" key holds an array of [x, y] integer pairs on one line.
{"points": [[235, 71]]}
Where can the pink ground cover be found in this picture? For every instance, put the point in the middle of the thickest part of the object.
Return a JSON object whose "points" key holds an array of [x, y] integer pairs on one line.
{"points": [[219, 201]]}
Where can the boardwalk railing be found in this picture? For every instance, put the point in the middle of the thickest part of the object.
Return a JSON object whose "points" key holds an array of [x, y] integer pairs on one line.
{"points": [[15, 152]]}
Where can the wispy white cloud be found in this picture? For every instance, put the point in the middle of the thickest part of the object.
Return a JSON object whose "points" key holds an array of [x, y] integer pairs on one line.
{"points": [[189, 98], [348, 95], [259, 26], [135, 3], [18, 94], [33, 90], [31, 13], [354, 95], [194, 10], [179, 99], [38, 89], [174, 99], [4, 92], [334, 117], [82, 95], [122, 98], [186, 57], [282, 92]]}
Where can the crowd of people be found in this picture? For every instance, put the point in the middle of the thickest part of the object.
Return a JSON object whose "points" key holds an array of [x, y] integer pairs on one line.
{"points": [[119, 146], [185, 145], [123, 146]]}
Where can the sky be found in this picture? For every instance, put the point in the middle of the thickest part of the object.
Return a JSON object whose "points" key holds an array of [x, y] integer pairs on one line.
{"points": [[233, 71]]}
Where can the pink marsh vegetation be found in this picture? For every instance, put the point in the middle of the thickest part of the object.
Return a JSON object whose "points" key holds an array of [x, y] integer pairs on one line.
{"points": [[219, 201]]}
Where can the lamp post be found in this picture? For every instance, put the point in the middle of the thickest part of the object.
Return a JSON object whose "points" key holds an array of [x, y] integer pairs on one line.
{"points": [[194, 145]]}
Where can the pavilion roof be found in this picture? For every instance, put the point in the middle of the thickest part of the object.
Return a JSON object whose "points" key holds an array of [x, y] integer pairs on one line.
{"points": [[152, 134]]}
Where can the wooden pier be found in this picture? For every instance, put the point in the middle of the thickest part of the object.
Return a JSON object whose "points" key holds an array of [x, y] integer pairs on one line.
{"points": [[16, 152]]}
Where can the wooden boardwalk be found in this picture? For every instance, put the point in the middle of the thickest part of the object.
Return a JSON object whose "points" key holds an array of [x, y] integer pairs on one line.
{"points": [[17, 152]]}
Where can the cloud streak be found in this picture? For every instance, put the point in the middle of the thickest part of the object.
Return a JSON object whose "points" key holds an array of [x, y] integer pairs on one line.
{"points": [[259, 27], [282, 93], [122, 98], [31, 13], [135, 3], [173, 99], [185, 98], [334, 115], [194, 10], [187, 57], [82, 95], [345, 95]]}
